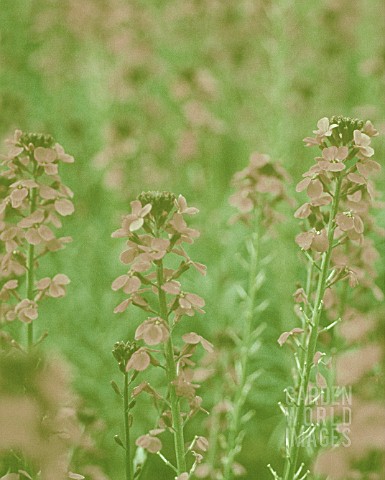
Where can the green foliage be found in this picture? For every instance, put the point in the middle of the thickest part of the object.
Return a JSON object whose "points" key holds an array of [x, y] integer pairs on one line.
{"points": [[175, 96]]}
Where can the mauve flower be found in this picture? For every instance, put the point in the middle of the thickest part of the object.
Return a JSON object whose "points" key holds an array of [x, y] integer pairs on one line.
{"points": [[62, 155], [369, 129], [311, 141], [348, 221], [54, 287], [362, 142], [300, 296], [36, 232], [191, 301], [7, 288], [182, 207], [367, 167], [157, 249], [25, 311], [20, 191], [313, 187], [332, 159], [57, 243], [285, 335], [179, 226], [149, 443], [128, 255], [9, 266], [11, 236], [128, 282], [47, 192], [173, 287], [317, 357], [135, 299], [183, 385], [153, 331], [46, 157], [324, 128], [146, 387], [304, 211], [199, 267], [193, 338], [314, 239], [242, 201], [135, 220], [139, 360], [201, 444], [64, 207]]}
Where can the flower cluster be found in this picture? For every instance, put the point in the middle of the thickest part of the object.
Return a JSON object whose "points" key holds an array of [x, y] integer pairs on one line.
{"points": [[259, 186], [155, 231], [346, 155], [346, 158], [31, 208], [38, 414], [336, 219]]}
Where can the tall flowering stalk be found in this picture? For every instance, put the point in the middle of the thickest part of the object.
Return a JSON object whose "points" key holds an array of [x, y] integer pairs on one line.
{"points": [[33, 202], [336, 213], [156, 231], [260, 187]]}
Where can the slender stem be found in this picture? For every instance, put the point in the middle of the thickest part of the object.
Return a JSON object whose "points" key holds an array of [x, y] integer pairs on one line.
{"points": [[127, 445], [241, 392], [214, 432], [292, 458], [177, 421], [30, 272]]}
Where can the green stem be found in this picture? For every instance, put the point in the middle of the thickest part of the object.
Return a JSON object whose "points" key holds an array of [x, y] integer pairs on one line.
{"points": [[292, 458], [30, 272], [241, 390], [215, 414], [177, 421], [129, 474]]}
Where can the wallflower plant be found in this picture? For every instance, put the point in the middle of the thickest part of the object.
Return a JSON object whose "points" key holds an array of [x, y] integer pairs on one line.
{"points": [[155, 232], [33, 198], [335, 217], [31, 206], [259, 188]]}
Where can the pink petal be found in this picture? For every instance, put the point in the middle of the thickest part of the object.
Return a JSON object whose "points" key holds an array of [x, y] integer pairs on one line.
{"points": [[43, 283], [32, 236], [172, 287], [122, 306], [317, 357], [119, 282], [45, 155], [46, 233], [283, 338], [132, 285], [51, 169], [304, 239], [315, 189], [61, 279], [195, 300], [64, 207], [145, 210], [139, 361], [303, 184], [191, 338], [320, 241], [136, 224]]}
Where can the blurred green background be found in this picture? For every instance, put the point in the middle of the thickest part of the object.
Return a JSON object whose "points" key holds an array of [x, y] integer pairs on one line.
{"points": [[175, 95]]}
